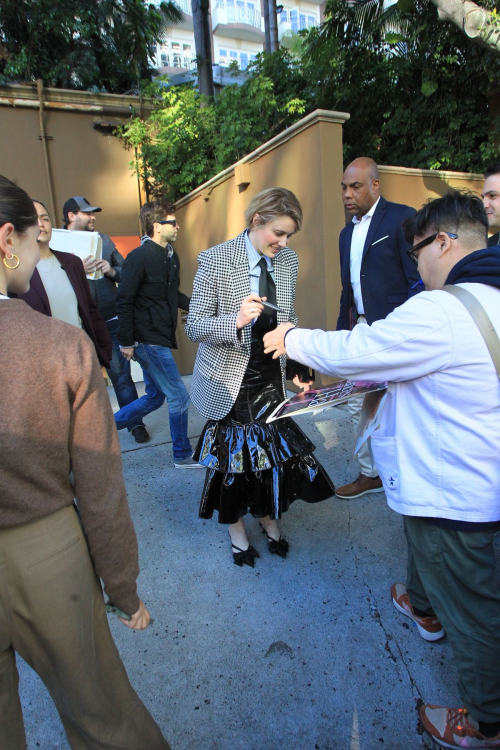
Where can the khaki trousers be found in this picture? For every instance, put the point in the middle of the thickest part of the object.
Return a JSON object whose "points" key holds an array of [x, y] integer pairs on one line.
{"points": [[52, 613], [365, 455]]}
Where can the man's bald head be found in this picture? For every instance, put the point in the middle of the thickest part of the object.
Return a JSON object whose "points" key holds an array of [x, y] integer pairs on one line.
{"points": [[360, 186], [367, 165]]}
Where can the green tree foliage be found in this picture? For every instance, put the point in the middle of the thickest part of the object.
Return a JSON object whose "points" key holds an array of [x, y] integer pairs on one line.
{"points": [[83, 44], [419, 101], [183, 144]]}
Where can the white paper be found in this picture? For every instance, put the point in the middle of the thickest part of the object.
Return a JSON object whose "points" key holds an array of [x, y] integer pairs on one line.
{"points": [[82, 244]]}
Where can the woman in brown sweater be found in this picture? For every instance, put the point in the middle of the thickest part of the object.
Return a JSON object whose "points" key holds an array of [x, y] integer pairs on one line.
{"points": [[57, 419]]}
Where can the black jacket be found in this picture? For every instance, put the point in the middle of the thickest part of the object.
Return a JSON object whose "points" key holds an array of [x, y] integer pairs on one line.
{"points": [[104, 291], [388, 275], [149, 297]]}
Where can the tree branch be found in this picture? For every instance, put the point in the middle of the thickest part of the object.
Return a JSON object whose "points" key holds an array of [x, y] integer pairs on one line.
{"points": [[476, 22]]}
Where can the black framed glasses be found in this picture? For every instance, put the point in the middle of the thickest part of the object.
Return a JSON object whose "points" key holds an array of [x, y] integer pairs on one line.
{"points": [[414, 251], [168, 221]]}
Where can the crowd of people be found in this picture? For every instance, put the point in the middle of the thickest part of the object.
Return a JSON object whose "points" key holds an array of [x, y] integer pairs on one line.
{"points": [[419, 309]]}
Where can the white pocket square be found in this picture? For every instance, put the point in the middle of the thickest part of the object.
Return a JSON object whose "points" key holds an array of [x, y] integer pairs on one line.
{"points": [[380, 240]]}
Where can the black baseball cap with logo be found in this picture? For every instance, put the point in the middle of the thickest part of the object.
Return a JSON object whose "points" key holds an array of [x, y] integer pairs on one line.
{"points": [[78, 203]]}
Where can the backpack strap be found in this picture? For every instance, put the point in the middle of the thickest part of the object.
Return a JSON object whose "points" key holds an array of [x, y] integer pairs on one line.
{"points": [[481, 319]]}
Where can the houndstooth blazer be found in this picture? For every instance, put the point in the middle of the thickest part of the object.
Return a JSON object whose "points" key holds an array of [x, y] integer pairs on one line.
{"points": [[221, 283]]}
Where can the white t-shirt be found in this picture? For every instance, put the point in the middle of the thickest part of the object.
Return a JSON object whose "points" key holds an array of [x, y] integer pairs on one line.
{"points": [[62, 297]]}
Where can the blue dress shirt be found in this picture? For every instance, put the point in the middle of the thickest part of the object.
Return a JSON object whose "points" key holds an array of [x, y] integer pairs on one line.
{"points": [[253, 261]]}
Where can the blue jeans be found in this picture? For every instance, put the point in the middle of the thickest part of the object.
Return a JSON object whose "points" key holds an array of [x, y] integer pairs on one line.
{"points": [[162, 380], [119, 374]]}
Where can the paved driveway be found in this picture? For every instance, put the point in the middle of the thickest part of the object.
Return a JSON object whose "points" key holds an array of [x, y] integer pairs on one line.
{"points": [[306, 653]]}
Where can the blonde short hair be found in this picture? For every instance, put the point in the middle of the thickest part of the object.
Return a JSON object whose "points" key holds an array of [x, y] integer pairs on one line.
{"points": [[271, 203]]}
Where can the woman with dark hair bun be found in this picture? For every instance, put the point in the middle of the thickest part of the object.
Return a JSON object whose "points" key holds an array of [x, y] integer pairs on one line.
{"points": [[57, 420], [252, 466], [19, 228]]}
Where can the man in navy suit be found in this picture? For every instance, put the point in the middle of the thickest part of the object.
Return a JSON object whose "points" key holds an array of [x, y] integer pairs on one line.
{"points": [[377, 276]]}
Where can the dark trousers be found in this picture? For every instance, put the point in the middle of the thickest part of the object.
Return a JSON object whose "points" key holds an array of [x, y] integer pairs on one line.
{"points": [[52, 613], [120, 375], [453, 574]]}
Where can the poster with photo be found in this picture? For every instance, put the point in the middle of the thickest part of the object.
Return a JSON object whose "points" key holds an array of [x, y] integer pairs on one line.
{"points": [[324, 397]]}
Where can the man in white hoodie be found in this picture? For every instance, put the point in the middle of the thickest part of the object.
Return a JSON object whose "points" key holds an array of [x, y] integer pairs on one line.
{"points": [[438, 446]]}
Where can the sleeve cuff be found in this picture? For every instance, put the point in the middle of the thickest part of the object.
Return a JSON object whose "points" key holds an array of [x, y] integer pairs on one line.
{"points": [[287, 333]]}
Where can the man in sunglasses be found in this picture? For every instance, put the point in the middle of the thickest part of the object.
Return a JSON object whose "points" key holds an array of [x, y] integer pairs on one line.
{"points": [[437, 448], [147, 307]]}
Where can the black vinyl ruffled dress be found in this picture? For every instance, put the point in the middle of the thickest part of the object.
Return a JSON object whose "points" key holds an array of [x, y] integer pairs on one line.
{"points": [[253, 466]]}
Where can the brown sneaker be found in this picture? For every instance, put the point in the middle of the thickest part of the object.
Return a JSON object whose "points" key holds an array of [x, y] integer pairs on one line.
{"points": [[362, 485], [454, 727], [429, 627]]}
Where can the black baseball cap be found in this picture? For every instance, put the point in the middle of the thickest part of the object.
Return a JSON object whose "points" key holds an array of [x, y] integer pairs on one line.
{"points": [[79, 203]]}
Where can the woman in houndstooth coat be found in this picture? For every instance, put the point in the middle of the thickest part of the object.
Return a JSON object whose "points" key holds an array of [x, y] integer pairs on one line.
{"points": [[252, 466]]}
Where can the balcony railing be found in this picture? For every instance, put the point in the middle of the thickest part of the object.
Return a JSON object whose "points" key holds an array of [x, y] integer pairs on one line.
{"points": [[284, 26], [175, 60], [185, 6], [295, 23], [225, 14]]}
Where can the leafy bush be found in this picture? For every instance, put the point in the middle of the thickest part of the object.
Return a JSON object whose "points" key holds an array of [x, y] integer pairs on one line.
{"points": [[188, 140]]}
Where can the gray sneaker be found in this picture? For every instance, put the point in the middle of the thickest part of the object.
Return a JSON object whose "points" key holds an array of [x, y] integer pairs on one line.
{"points": [[188, 463]]}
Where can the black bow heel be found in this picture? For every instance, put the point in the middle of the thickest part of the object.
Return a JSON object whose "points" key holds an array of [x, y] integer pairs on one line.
{"points": [[279, 547], [244, 556]]}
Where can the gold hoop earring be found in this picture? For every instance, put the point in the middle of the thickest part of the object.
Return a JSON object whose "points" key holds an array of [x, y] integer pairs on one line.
{"points": [[11, 258]]}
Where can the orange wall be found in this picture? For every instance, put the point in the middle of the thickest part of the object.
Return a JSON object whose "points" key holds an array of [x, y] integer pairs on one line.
{"points": [[125, 245]]}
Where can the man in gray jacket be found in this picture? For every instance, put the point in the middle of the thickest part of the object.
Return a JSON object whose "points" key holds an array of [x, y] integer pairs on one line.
{"points": [[79, 215]]}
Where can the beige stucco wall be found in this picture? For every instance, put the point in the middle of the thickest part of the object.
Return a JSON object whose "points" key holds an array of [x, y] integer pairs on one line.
{"points": [[306, 159], [415, 186], [83, 161]]}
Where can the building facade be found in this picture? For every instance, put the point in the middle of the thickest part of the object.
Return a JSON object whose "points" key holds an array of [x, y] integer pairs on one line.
{"points": [[237, 32]]}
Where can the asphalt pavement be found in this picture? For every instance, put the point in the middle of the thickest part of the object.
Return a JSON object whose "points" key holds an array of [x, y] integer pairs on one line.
{"points": [[306, 653]]}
